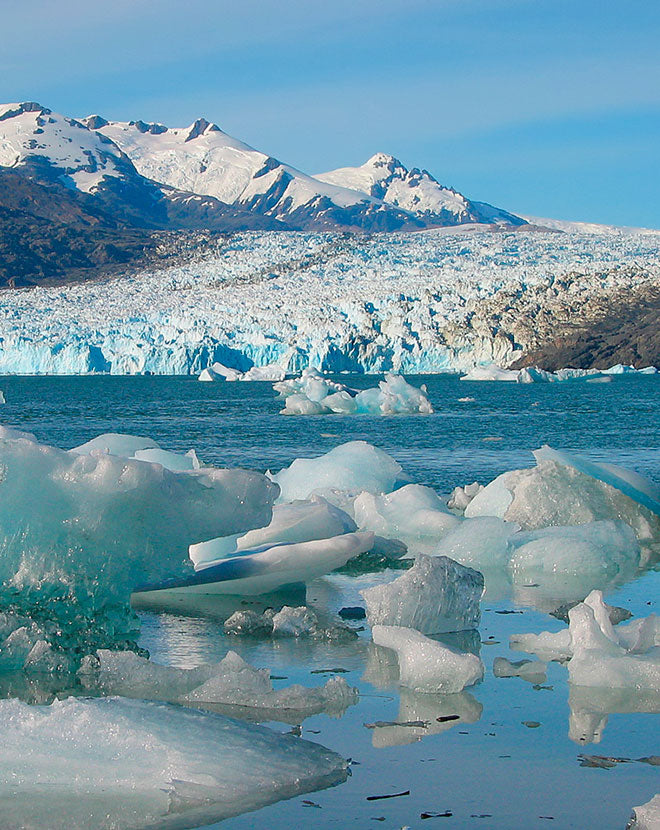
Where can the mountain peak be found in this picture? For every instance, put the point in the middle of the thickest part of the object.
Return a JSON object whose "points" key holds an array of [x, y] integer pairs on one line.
{"points": [[201, 126], [383, 160]]}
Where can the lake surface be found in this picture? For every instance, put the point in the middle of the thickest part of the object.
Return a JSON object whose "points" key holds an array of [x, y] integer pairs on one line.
{"points": [[508, 762]]}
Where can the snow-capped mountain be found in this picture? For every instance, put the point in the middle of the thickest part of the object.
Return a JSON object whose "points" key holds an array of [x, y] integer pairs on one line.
{"points": [[77, 162], [205, 160], [416, 191], [381, 195]]}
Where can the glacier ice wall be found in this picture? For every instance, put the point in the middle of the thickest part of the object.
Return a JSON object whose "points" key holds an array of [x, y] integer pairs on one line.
{"points": [[410, 303]]}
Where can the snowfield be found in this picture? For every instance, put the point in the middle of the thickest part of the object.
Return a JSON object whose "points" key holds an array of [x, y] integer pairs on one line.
{"points": [[433, 301]]}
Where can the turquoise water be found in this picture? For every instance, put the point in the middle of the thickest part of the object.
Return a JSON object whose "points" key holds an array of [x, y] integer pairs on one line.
{"points": [[488, 769]]}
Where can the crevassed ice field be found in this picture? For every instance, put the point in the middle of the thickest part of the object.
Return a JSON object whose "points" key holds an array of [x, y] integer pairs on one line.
{"points": [[523, 751]]}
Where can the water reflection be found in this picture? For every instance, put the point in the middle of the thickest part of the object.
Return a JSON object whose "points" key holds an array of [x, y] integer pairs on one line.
{"points": [[590, 708]]}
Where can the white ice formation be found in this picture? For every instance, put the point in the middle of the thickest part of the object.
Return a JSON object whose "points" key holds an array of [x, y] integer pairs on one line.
{"points": [[533, 374], [230, 683], [218, 372], [436, 595], [426, 665], [299, 621], [353, 467], [413, 514], [462, 496], [101, 518], [568, 490], [599, 654], [132, 763], [314, 395]]}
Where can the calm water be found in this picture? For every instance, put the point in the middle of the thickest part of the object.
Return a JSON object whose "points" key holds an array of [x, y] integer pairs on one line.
{"points": [[488, 769]]}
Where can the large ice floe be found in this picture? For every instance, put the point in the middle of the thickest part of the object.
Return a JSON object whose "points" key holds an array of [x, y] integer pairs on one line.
{"points": [[117, 763], [312, 394], [436, 595], [426, 665]]}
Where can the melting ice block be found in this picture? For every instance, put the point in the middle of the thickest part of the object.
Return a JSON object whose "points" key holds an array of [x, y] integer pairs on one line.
{"points": [[115, 443], [462, 496], [424, 664], [353, 467], [410, 514], [483, 542], [173, 461], [260, 570], [557, 492], [116, 763], [436, 595], [218, 372], [232, 685]]}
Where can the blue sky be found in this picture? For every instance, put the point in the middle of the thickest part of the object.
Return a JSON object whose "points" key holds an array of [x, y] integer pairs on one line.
{"points": [[545, 107]]}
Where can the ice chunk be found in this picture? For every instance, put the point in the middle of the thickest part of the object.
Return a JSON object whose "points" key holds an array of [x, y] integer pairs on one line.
{"points": [[311, 394], [2, 397], [104, 525], [594, 549], [462, 496], [230, 683], [533, 671], [554, 493], [250, 623], [114, 443], [409, 514], [10, 434], [436, 595], [636, 487], [297, 521], [270, 372], [491, 372], [287, 622], [131, 763], [548, 645], [424, 664], [483, 542], [218, 372], [353, 467], [646, 817], [599, 661], [173, 461], [260, 570]]}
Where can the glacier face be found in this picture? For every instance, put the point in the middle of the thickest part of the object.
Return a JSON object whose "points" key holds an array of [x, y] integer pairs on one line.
{"points": [[427, 302]]}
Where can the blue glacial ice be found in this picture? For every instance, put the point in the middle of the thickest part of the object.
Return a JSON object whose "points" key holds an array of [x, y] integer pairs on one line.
{"points": [[131, 763]]}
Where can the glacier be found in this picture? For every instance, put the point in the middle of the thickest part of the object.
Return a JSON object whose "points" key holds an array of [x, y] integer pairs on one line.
{"points": [[434, 301]]}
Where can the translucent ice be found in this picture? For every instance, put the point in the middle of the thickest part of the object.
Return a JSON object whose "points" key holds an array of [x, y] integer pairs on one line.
{"points": [[115, 443], [410, 514], [312, 395], [462, 496], [554, 493], [298, 521], [269, 567], [352, 467], [436, 595], [426, 665], [174, 461], [230, 683], [483, 542], [103, 525], [131, 763]]}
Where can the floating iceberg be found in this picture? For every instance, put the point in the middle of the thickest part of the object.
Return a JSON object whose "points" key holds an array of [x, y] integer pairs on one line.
{"points": [[533, 374], [303, 520], [483, 542], [218, 372], [231, 686], [351, 467], [426, 665], [289, 621], [599, 654], [462, 496], [436, 595], [567, 490], [261, 570], [393, 396], [130, 763], [115, 443], [310, 384], [411, 514], [105, 524]]}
